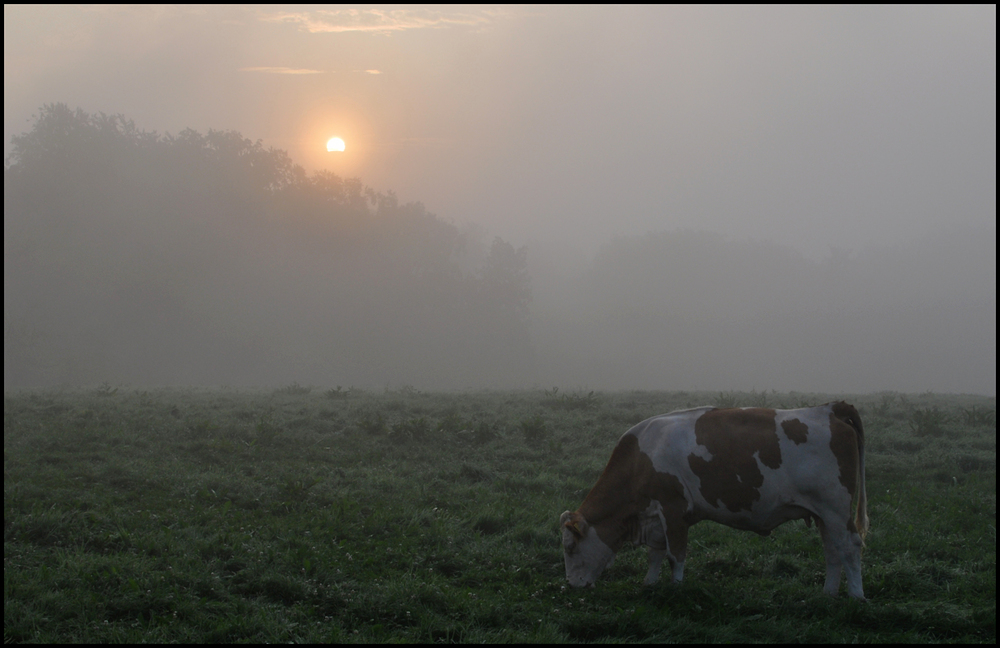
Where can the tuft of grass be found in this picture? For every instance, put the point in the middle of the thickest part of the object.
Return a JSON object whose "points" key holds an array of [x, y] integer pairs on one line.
{"points": [[758, 400], [726, 400], [415, 429], [105, 389], [569, 402], [373, 425], [338, 393], [295, 389]]}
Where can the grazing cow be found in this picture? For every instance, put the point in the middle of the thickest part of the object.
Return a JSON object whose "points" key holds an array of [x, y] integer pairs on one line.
{"points": [[748, 468]]}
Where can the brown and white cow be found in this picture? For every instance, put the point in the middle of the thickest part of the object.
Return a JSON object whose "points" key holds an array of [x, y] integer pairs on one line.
{"points": [[748, 468]]}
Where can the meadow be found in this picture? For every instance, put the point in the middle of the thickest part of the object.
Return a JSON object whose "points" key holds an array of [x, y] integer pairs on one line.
{"points": [[311, 515]]}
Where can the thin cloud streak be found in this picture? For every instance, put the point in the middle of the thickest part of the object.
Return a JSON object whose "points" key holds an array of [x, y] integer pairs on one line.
{"points": [[281, 70], [374, 20]]}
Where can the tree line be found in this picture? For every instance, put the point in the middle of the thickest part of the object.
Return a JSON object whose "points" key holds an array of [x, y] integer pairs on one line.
{"points": [[191, 259], [210, 259]]}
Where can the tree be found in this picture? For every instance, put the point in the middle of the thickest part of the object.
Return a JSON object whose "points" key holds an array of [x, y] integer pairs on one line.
{"points": [[190, 258], [505, 286]]}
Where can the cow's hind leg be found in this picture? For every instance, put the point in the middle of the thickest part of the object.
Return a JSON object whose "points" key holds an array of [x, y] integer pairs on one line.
{"points": [[852, 565], [842, 548], [834, 562]]}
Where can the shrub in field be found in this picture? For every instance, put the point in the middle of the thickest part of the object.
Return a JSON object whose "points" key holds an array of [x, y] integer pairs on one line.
{"points": [[568, 401], [414, 429], [726, 400], [295, 389], [373, 425], [105, 389], [534, 430], [979, 416], [882, 408], [452, 423], [483, 433], [337, 393], [265, 428], [296, 490], [928, 422], [758, 400]]}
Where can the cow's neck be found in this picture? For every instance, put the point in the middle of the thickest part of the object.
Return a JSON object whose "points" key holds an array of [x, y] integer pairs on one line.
{"points": [[616, 499]]}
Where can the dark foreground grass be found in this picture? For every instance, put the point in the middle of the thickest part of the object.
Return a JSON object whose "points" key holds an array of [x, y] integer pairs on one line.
{"points": [[300, 515]]}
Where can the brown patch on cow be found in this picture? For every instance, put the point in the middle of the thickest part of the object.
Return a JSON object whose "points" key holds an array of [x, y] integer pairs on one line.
{"points": [[624, 490], [795, 430], [733, 437], [846, 443]]}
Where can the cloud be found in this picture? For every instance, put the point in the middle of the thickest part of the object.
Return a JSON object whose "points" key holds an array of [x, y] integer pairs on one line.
{"points": [[376, 21], [374, 71], [281, 70]]}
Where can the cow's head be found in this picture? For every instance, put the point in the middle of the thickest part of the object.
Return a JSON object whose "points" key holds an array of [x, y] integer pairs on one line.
{"points": [[585, 553]]}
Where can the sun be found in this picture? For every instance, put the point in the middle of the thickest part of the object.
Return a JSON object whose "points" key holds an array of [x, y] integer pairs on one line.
{"points": [[335, 144]]}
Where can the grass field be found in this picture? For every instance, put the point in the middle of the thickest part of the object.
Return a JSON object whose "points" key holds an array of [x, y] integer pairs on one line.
{"points": [[310, 515]]}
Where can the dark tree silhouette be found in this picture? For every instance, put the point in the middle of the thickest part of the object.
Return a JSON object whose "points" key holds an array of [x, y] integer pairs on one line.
{"points": [[189, 258]]}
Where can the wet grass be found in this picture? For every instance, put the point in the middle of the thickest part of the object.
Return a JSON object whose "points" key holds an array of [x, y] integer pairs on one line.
{"points": [[309, 515]]}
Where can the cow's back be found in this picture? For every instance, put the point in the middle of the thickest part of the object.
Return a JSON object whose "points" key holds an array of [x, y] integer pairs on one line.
{"points": [[753, 468]]}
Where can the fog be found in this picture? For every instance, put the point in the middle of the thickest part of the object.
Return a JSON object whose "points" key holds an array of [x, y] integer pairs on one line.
{"points": [[590, 198]]}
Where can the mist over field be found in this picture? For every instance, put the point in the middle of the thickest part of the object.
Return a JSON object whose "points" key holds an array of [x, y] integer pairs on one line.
{"points": [[192, 259], [682, 198]]}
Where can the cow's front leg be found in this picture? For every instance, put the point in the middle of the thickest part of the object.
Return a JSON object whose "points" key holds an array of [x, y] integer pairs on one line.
{"points": [[655, 560], [675, 538], [678, 568], [656, 557]]}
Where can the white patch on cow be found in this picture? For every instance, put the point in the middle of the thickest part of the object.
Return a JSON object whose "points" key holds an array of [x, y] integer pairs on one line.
{"points": [[671, 440], [809, 475], [669, 443]]}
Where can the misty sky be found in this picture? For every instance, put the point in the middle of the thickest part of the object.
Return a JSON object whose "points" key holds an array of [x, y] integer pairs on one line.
{"points": [[816, 127]]}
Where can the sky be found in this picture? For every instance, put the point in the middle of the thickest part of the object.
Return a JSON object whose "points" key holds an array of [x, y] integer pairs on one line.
{"points": [[819, 128], [710, 197]]}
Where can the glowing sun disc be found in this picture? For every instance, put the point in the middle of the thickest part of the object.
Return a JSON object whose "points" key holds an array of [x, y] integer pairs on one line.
{"points": [[335, 144]]}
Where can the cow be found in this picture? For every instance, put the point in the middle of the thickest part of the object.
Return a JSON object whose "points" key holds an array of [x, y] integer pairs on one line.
{"points": [[748, 468]]}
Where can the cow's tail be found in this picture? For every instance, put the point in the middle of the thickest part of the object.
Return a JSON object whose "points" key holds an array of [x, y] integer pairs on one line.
{"points": [[847, 413], [861, 515]]}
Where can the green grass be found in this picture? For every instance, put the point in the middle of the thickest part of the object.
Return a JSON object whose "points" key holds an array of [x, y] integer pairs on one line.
{"points": [[311, 515]]}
